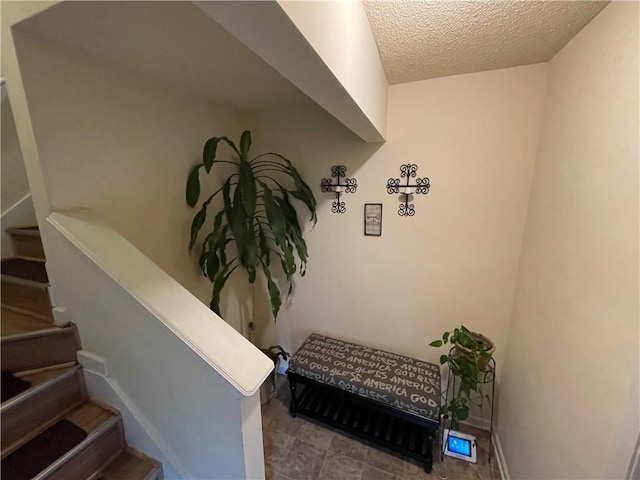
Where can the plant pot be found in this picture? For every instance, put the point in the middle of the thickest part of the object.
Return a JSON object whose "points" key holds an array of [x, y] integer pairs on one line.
{"points": [[482, 362]]}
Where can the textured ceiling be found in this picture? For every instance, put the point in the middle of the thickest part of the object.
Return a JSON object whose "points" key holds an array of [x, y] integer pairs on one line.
{"points": [[426, 39]]}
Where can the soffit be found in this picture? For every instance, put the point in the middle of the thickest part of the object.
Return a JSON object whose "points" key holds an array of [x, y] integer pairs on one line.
{"points": [[427, 39], [171, 43]]}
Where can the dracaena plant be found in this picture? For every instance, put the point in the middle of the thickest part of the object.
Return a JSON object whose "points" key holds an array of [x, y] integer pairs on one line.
{"points": [[257, 222]]}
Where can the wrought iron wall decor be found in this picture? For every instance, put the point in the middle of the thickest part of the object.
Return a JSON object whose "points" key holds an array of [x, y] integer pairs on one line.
{"points": [[408, 171], [350, 185]]}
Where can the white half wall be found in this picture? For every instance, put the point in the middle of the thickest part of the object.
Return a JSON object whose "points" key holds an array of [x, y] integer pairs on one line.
{"points": [[176, 363], [475, 136], [136, 427], [569, 405]]}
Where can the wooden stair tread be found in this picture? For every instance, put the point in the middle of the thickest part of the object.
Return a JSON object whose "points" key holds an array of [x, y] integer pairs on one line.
{"points": [[44, 375], [128, 465], [30, 231], [13, 323], [87, 415], [20, 268]]}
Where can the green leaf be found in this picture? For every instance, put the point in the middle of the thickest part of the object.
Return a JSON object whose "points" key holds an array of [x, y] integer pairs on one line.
{"points": [[218, 285], [247, 186], [196, 225], [275, 216], [436, 343], [293, 230], [265, 252], [213, 264], [443, 359], [193, 186], [226, 199], [245, 144], [274, 292], [302, 191], [251, 257], [209, 152], [239, 225], [445, 337]]}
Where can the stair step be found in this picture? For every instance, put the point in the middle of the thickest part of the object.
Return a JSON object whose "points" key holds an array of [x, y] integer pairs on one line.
{"points": [[40, 452], [23, 416], [20, 268], [14, 323], [28, 298], [130, 464], [31, 230], [44, 375], [26, 242], [42, 348], [104, 441]]}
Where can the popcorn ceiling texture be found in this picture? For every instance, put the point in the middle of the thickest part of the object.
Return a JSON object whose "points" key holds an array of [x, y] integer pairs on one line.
{"points": [[426, 39]]}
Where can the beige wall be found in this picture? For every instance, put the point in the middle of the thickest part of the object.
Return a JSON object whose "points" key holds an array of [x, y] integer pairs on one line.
{"points": [[569, 402], [122, 147], [456, 260], [14, 178]]}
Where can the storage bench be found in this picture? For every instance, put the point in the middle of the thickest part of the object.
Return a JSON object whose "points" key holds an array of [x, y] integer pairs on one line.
{"points": [[386, 399]]}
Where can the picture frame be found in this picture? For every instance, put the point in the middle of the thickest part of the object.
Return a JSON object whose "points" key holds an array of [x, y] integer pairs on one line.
{"points": [[373, 219]]}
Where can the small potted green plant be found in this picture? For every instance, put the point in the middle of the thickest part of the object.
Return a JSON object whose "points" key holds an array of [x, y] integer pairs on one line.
{"points": [[469, 361], [276, 353]]}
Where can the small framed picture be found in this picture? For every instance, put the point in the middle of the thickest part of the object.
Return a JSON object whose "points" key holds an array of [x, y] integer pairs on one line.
{"points": [[373, 219]]}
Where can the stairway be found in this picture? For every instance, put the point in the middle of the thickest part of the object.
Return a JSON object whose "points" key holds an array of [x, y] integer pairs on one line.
{"points": [[50, 427]]}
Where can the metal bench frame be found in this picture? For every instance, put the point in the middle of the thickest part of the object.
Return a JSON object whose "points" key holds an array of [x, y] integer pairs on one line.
{"points": [[374, 422]]}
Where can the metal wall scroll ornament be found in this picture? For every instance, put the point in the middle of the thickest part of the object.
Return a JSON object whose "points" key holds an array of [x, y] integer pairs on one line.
{"points": [[350, 185], [421, 187]]}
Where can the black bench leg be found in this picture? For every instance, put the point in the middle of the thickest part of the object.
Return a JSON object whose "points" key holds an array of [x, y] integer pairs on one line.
{"points": [[428, 455], [292, 406]]}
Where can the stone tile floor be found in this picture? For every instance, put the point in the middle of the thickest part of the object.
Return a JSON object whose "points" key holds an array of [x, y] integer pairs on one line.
{"points": [[297, 449]]}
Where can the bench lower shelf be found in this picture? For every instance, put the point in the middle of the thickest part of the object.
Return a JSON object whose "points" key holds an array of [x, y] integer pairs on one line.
{"points": [[375, 424]]}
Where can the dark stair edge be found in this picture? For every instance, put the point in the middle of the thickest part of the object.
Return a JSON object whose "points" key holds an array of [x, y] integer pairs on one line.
{"points": [[20, 268]]}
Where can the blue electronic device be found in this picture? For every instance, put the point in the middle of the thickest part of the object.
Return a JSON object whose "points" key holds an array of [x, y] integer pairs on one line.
{"points": [[460, 445]]}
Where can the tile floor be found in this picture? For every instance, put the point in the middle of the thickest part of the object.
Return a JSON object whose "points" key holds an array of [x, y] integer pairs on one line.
{"points": [[297, 449]]}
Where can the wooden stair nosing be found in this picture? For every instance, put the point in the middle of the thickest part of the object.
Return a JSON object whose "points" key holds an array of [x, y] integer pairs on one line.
{"points": [[28, 247], [24, 281], [28, 418], [109, 431], [120, 467], [17, 322], [45, 316], [39, 388], [17, 337], [33, 270], [39, 349], [31, 300], [30, 231]]}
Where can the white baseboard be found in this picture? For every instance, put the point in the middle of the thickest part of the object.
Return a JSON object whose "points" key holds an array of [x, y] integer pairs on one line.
{"points": [[502, 464], [138, 433], [20, 214]]}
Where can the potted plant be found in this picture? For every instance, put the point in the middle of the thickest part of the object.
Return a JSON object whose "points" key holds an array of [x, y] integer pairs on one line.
{"points": [[276, 353], [256, 222], [469, 361]]}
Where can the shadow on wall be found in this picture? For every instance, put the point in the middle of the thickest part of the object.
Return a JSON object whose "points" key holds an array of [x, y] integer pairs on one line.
{"points": [[310, 138]]}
